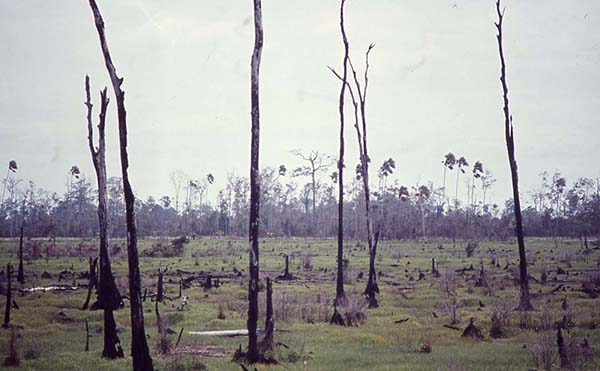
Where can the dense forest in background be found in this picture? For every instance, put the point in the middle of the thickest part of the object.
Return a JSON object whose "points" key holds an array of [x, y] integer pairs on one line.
{"points": [[302, 202]]}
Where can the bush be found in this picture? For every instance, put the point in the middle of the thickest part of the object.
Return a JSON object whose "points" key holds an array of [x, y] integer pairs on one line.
{"points": [[307, 262], [175, 249], [542, 350], [500, 318], [355, 310]]}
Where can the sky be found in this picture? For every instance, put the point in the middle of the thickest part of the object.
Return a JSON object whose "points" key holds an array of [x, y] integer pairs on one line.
{"points": [[433, 86]]}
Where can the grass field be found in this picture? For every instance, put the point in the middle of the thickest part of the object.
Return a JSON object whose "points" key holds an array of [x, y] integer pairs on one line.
{"points": [[52, 334]]}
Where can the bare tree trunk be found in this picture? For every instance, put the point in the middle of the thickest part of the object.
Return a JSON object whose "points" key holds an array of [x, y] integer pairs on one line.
{"points": [[340, 295], [372, 288], [266, 344], [159, 286], [525, 302], [253, 353], [109, 297], [139, 345], [20, 274], [8, 296], [93, 283]]}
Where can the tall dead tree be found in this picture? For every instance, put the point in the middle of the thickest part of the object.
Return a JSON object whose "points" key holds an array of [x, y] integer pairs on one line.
{"points": [[21, 274], [253, 351], [359, 99], [109, 297], [372, 238], [340, 295], [139, 345], [525, 302]]}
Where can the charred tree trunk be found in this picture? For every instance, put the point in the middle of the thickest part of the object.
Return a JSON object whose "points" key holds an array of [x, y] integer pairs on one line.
{"points": [[139, 346], [372, 288], [340, 295], [266, 345], [87, 336], [286, 271], [8, 296], [159, 286], [253, 351], [21, 274], [563, 354], [92, 283], [109, 297], [525, 302], [434, 271]]}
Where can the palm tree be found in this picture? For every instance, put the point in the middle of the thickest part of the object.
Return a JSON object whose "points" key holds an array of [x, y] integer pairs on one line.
{"points": [[461, 163], [477, 173], [12, 167], [449, 162]]}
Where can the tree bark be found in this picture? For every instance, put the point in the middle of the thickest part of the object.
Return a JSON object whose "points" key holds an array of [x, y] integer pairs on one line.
{"points": [[21, 274], [109, 297], [340, 295], [8, 296], [266, 344], [139, 345], [253, 353], [525, 302], [92, 283], [159, 286]]}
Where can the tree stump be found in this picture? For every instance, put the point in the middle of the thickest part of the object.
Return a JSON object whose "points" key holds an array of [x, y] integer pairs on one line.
{"points": [[472, 331]]}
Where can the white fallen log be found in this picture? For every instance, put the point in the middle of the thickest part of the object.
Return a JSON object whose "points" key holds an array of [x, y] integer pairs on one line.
{"points": [[229, 333], [51, 288]]}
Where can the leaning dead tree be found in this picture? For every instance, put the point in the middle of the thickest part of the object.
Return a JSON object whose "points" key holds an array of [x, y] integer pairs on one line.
{"points": [[109, 297], [253, 354], [340, 295], [139, 345], [525, 302]]}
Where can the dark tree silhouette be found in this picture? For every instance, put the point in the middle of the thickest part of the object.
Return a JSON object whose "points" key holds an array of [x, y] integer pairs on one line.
{"points": [[525, 302], [109, 297], [139, 345], [461, 163], [362, 169], [8, 296], [253, 351], [372, 238], [20, 273], [340, 295]]}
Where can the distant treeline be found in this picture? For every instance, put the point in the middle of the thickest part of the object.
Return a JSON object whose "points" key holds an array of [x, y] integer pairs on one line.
{"points": [[291, 208]]}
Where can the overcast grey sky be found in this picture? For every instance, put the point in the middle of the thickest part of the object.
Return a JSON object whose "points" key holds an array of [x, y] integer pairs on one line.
{"points": [[434, 85]]}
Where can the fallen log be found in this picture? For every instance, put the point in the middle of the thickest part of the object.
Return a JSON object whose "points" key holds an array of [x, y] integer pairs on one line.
{"points": [[50, 288], [227, 333], [230, 333]]}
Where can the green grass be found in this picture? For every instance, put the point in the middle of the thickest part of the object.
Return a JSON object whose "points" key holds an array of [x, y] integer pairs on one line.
{"points": [[378, 344]]}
